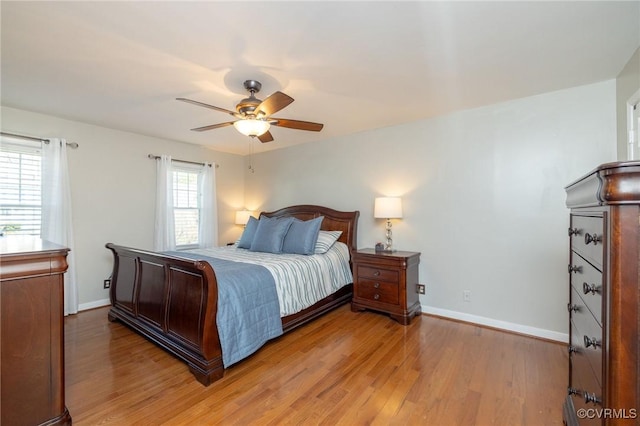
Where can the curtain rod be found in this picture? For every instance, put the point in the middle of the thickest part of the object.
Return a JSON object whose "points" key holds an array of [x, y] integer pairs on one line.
{"points": [[31, 138], [155, 157]]}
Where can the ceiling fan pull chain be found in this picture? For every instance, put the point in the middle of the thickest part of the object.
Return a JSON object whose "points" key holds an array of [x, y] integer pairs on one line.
{"points": [[251, 169]]}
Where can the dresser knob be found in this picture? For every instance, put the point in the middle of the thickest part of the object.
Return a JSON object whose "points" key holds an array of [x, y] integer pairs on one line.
{"points": [[574, 268], [593, 289], [572, 308], [591, 342], [572, 350], [376, 285], [574, 231], [376, 274], [573, 391], [595, 239], [591, 397], [376, 296]]}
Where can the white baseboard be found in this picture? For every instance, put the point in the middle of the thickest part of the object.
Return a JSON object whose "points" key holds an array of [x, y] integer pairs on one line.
{"points": [[94, 304], [502, 325]]}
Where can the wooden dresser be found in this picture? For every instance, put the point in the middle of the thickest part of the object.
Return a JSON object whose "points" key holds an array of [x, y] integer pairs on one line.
{"points": [[604, 278], [386, 282], [32, 327]]}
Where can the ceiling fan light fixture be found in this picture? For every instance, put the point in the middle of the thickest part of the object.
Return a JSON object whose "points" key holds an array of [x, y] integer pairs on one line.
{"points": [[252, 127]]}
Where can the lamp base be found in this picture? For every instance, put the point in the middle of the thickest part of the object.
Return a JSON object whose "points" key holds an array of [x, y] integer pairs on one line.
{"points": [[381, 249]]}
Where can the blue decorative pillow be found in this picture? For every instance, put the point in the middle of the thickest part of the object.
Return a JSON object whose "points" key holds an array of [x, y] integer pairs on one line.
{"points": [[249, 232], [326, 239], [270, 234], [302, 236]]}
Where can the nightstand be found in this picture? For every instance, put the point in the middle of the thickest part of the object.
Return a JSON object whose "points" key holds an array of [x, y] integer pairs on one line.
{"points": [[386, 282]]}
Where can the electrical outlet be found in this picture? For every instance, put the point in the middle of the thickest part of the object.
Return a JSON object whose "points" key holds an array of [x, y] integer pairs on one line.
{"points": [[107, 283], [420, 288], [466, 295]]}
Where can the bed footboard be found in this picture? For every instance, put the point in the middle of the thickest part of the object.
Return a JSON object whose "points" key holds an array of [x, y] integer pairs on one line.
{"points": [[171, 301]]}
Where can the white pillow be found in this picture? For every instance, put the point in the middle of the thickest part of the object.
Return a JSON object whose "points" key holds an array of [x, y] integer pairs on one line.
{"points": [[325, 240]]}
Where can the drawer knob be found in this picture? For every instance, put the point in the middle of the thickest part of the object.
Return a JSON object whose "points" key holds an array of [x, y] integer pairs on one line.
{"points": [[376, 274], [572, 308], [376, 285], [573, 268], [573, 391], [572, 349], [591, 342], [595, 239], [574, 231], [376, 296], [591, 397], [593, 289]]}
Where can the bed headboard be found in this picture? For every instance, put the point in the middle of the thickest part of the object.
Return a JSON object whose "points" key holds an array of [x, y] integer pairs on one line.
{"points": [[334, 220]]}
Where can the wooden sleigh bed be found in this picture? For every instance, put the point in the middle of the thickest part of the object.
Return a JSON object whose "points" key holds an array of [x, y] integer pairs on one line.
{"points": [[173, 301]]}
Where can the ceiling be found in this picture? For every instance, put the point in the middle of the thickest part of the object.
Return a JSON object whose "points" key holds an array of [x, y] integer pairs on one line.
{"points": [[353, 66]]}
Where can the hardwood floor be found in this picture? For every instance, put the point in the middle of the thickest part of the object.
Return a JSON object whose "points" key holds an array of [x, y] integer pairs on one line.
{"points": [[344, 368]]}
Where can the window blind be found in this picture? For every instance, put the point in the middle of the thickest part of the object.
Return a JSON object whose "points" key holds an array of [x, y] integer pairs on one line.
{"points": [[185, 207], [20, 189]]}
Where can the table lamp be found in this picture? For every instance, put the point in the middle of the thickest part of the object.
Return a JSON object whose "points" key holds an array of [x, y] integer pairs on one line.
{"points": [[388, 208], [242, 217]]}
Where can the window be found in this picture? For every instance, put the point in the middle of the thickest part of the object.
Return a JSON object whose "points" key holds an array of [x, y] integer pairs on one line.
{"points": [[186, 207], [20, 188]]}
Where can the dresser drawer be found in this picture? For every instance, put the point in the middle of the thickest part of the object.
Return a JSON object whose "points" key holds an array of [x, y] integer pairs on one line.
{"points": [[586, 340], [378, 291], [378, 273], [585, 389], [587, 282], [587, 237]]}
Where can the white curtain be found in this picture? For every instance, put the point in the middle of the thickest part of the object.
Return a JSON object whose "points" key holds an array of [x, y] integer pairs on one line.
{"points": [[56, 212], [208, 232], [165, 236]]}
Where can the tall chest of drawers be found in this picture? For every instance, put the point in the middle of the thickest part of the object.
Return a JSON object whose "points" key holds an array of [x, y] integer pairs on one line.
{"points": [[604, 283]]}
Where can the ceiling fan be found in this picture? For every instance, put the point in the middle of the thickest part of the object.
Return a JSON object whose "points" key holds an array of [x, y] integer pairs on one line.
{"points": [[254, 116]]}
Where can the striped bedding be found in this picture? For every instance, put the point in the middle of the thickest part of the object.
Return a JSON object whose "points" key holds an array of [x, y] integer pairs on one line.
{"points": [[300, 280]]}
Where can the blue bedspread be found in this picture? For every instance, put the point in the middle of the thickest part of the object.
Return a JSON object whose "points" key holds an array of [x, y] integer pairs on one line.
{"points": [[248, 307]]}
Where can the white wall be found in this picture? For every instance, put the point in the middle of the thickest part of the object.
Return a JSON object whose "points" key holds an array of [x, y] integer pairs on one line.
{"points": [[483, 196], [482, 191], [627, 85], [113, 190]]}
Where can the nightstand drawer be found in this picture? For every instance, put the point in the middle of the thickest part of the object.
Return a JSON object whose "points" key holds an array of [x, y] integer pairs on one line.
{"points": [[377, 273], [378, 291]]}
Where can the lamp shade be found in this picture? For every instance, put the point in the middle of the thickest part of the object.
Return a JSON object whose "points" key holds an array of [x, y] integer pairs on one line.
{"points": [[388, 208], [252, 127], [242, 217]]}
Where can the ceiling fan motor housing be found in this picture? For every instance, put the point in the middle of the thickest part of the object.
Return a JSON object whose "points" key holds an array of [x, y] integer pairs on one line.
{"points": [[248, 105]]}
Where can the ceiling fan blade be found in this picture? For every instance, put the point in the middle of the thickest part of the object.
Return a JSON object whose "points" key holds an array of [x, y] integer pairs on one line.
{"points": [[265, 137], [296, 124], [273, 104], [206, 105], [213, 126]]}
